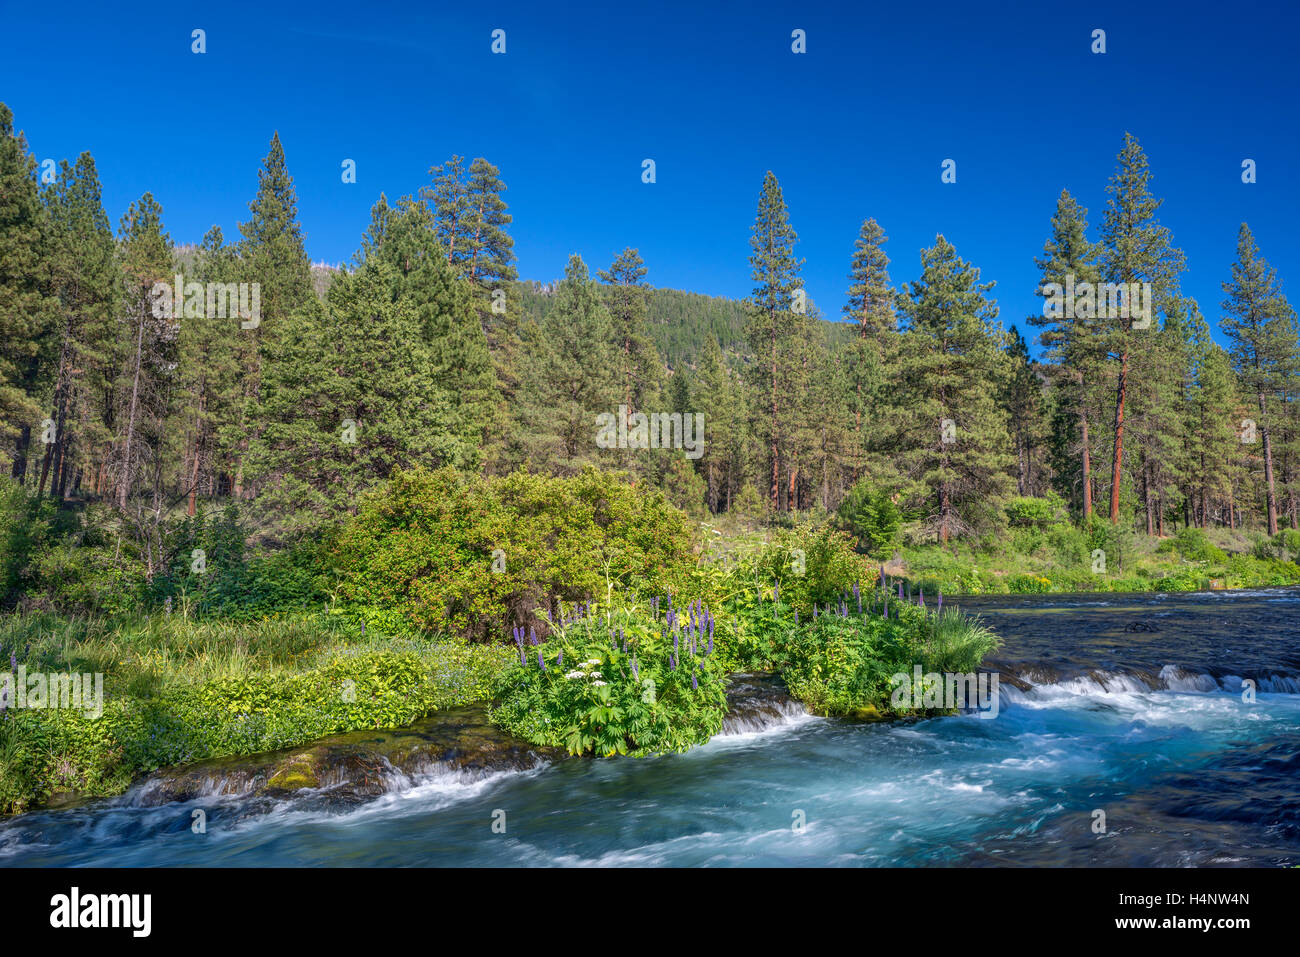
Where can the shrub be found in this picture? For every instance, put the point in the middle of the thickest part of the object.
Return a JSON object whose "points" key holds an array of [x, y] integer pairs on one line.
{"points": [[870, 514], [638, 687], [1041, 513], [478, 556]]}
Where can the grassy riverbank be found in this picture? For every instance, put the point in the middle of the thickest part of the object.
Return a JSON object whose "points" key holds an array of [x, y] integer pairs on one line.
{"points": [[593, 616]]}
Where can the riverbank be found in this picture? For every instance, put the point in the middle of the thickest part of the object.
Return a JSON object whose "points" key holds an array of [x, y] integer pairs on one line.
{"points": [[1150, 727]]}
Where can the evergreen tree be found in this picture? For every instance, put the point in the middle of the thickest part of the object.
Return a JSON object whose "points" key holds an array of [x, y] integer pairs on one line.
{"points": [[1261, 329], [871, 306], [774, 325], [83, 274], [1073, 340], [352, 395], [627, 298], [26, 307], [405, 238], [954, 438], [272, 254], [1136, 249], [1025, 406], [569, 377]]}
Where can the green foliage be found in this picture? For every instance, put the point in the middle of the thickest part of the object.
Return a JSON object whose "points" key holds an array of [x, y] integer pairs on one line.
{"points": [[870, 514], [431, 543], [1042, 513], [613, 686], [1194, 546], [178, 691]]}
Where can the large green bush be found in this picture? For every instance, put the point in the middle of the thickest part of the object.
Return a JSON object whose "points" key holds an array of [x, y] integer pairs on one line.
{"points": [[478, 556]]}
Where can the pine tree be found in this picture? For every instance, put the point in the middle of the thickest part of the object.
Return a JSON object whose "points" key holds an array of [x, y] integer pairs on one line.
{"points": [[83, 273], [627, 297], [954, 438], [1025, 405], [1261, 329], [147, 374], [773, 325], [871, 306], [351, 396], [569, 377], [26, 306], [1073, 339], [719, 397], [448, 198], [1136, 249], [404, 237], [272, 254]]}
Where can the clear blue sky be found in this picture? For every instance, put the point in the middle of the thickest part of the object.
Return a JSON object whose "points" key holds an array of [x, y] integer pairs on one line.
{"points": [[858, 126]]}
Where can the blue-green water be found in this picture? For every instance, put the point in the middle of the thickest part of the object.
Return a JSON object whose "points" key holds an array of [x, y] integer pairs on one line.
{"points": [[1184, 777]]}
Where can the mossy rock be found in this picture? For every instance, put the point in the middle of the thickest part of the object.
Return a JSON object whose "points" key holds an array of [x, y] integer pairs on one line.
{"points": [[299, 771]]}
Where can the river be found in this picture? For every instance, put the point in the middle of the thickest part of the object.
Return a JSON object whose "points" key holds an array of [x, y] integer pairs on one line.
{"points": [[1122, 737]]}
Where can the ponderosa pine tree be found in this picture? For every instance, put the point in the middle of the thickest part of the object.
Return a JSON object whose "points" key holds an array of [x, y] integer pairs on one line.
{"points": [[1261, 329], [774, 324], [211, 382], [147, 370], [871, 306], [27, 310], [1025, 405], [1135, 249], [955, 446], [1213, 448], [720, 398], [1073, 339], [84, 276], [627, 298]]}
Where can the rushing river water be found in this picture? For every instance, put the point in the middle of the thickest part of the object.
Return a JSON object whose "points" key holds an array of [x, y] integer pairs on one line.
{"points": [[1127, 705]]}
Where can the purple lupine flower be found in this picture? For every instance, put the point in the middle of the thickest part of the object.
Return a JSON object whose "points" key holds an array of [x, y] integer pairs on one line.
{"points": [[776, 592], [559, 662], [900, 591], [694, 683], [676, 635], [532, 636], [796, 616], [634, 668], [920, 602], [540, 663], [814, 611], [672, 662]]}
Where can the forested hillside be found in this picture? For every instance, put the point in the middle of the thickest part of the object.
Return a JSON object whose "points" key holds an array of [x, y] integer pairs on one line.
{"points": [[292, 390]]}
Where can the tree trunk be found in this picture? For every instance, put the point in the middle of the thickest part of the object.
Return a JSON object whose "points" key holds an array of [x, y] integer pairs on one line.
{"points": [[1087, 467], [1117, 461], [1268, 470]]}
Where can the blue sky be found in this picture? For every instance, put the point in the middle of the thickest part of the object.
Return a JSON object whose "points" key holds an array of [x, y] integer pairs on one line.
{"points": [[858, 126]]}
